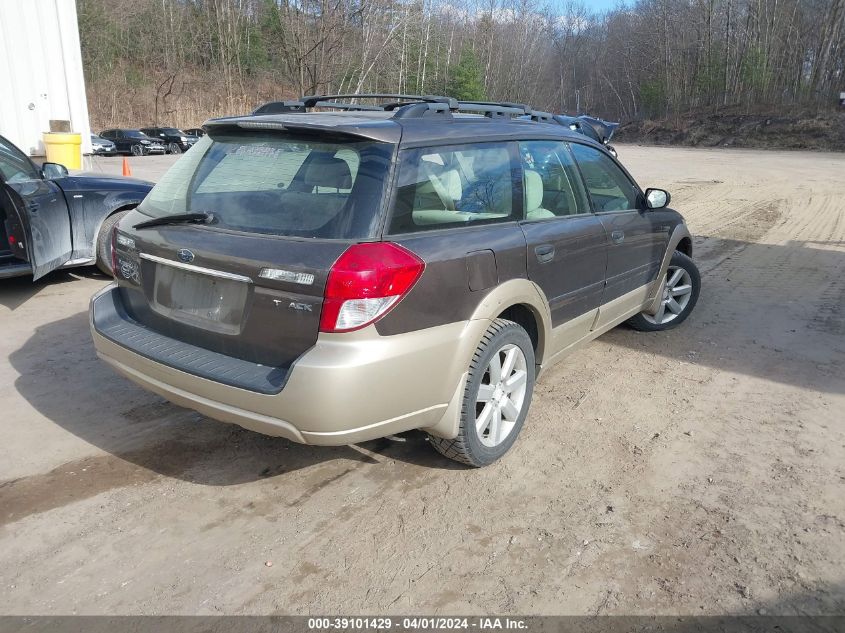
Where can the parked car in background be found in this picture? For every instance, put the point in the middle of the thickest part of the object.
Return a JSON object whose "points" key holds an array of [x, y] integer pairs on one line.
{"points": [[279, 277], [102, 146], [175, 140], [134, 142], [51, 220], [195, 131], [597, 129]]}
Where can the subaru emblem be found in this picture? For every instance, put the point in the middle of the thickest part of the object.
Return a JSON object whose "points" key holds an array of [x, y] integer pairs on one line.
{"points": [[185, 255]]}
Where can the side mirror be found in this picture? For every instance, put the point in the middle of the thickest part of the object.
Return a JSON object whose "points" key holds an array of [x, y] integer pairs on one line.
{"points": [[53, 170], [656, 198]]}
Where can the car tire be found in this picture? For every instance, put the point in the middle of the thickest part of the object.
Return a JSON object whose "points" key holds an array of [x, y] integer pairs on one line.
{"points": [[104, 242], [680, 288], [494, 407], [137, 149], [174, 148]]}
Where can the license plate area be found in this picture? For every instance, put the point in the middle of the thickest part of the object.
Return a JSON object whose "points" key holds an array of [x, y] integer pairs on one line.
{"points": [[200, 300]]}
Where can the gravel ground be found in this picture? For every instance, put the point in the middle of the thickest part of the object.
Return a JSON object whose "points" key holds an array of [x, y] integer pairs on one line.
{"points": [[698, 471]]}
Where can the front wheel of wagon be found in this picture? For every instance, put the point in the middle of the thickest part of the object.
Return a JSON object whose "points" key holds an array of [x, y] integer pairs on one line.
{"points": [[678, 290]]}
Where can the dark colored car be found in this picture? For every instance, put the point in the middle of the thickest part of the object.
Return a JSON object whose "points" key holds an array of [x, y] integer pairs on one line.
{"points": [[102, 146], [196, 131], [597, 129], [176, 141], [335, 277], [51, 220], [134, 142]]}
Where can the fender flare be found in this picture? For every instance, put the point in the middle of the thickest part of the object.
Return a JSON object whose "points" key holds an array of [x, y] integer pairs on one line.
{"points": [[507, 295], [113, 207], [519, 292], [679, 233]]}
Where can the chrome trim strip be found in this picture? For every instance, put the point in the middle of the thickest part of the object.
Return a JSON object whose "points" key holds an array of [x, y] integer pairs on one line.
{"points": [[196, 269]]}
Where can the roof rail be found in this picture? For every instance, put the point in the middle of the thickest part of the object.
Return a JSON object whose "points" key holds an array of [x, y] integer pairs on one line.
{"points": [[311, 101], [359, 107], [492, 109], [504, 104], [540, 116], [418, 110], [407, 106]]}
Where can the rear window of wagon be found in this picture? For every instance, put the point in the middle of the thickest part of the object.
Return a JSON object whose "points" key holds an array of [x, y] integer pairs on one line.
{"points": [[279, 184]]}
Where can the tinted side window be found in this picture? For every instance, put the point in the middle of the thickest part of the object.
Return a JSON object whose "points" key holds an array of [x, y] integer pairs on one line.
{"points": [[458, 185], [608, 186], [14, 165], [551, 185]]}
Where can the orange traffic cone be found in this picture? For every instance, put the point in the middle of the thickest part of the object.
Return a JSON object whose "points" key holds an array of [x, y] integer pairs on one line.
{"points": [[126, 170]]}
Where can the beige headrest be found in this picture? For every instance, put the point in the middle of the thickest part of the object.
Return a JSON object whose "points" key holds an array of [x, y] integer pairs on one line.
{"points": [[451, 180], [533, 190]]}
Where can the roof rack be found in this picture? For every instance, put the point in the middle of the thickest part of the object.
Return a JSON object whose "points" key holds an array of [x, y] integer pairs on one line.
{"points": [[354, 107], [311, 101], [541, 117], [507, 108], [419, 110], [504, 104], [406, 106], [493, 109]]}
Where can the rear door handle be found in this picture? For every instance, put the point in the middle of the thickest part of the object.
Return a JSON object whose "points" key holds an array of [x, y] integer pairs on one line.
{"points": [[545, 253], [617, 236]]}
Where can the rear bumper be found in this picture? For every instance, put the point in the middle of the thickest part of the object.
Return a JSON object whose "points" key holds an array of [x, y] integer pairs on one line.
{"points": [[110, 320], [15, 269], [348, 388]]}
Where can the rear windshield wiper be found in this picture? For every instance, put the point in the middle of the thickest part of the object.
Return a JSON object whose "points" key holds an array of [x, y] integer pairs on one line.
{"points": [[176, 218]]}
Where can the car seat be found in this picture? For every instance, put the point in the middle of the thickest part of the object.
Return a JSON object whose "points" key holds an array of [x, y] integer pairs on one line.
{"points": [[534, 197]]}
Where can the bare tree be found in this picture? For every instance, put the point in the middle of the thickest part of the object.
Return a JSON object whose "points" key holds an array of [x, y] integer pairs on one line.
{"points": [[185, 60]]}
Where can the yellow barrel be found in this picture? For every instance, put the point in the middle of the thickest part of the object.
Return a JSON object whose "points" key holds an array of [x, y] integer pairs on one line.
{"points": [[64, 149]]}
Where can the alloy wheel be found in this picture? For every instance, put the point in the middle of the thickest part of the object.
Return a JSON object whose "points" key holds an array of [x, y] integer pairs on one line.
{"points": [[501, 395], [676, 292]]}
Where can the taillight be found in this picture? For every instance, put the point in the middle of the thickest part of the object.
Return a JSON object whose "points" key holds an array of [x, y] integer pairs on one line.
{"points": [[365, 283], [114, 251]]}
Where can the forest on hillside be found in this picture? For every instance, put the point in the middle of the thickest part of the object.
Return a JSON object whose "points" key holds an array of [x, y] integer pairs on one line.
{"points": [[182, 61]]}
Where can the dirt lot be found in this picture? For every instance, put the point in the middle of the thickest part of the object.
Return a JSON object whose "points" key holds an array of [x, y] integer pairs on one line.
{"points": [[696, 471]]}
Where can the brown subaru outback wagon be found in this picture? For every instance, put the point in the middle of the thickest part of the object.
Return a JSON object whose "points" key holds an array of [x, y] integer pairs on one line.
{"points": [[337, 272]]}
